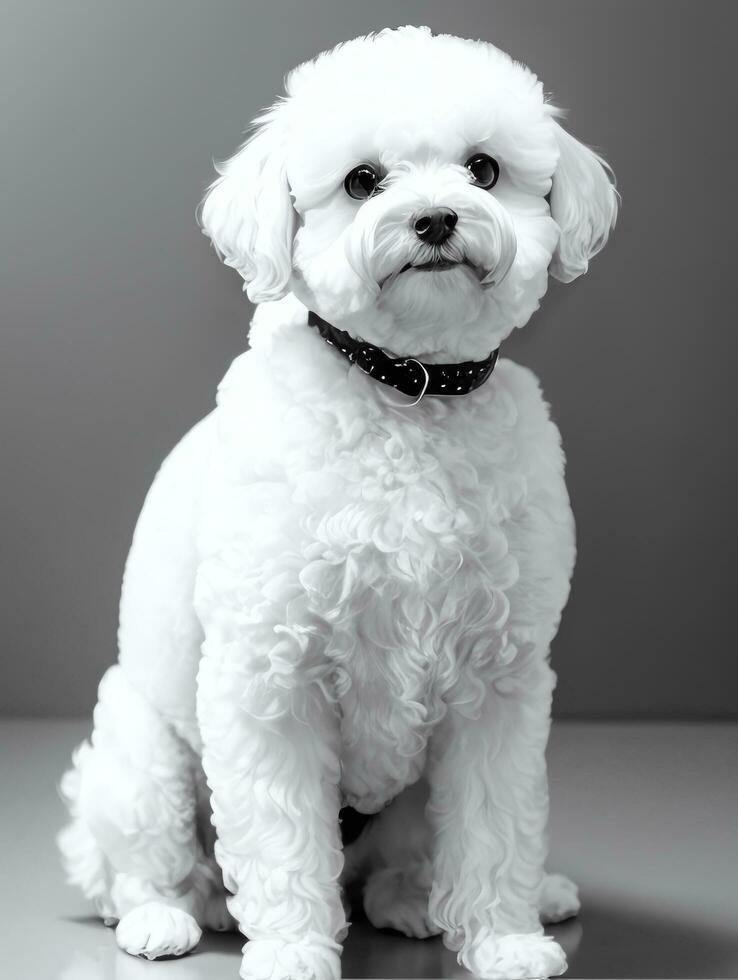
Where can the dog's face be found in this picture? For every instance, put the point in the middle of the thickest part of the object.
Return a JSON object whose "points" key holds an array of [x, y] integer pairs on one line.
{"points": [[413, 190]]}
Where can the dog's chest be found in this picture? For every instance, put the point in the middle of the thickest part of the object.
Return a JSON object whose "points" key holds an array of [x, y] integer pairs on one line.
{"points": [[411, 573], [378, 539]]}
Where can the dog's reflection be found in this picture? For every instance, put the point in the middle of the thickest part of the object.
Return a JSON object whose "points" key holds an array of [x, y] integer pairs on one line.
{"points": [[367, 953]]}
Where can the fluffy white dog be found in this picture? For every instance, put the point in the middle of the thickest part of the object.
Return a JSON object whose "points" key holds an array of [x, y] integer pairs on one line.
{"points": [[344, 581]]}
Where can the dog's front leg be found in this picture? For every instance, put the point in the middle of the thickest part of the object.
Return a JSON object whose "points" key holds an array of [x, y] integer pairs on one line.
{"points": [[270, 754], [489, 807]]}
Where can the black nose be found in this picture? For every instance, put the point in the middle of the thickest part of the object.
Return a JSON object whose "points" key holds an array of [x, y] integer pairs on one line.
{"points": [[435, 225]]}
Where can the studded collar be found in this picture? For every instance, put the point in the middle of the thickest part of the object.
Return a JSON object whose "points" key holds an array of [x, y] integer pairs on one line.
{"points": [[406, 374]]}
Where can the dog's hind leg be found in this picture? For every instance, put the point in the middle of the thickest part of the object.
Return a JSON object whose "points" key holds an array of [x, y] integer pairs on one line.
{"points": [[133, 842], [391, 860], [133, 845], [558, 899]]}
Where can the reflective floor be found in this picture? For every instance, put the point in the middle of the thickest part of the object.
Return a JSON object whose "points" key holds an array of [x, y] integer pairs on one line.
{"points": [[644, 818]]}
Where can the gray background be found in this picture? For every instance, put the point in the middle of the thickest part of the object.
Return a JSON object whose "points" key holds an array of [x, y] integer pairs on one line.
{"points": [[117, 321]]}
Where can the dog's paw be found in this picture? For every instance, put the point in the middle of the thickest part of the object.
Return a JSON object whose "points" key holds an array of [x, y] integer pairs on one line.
{"points": [[397, 898], [558, 899], [155, 930], [318, 958], [518, 956]]}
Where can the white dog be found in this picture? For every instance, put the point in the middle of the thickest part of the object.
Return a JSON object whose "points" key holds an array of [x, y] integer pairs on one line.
{"points": [[344, 581]]}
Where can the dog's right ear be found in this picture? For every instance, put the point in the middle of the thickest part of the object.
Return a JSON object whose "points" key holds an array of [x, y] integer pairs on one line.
{"points": [[248, 215], [584, 204]]}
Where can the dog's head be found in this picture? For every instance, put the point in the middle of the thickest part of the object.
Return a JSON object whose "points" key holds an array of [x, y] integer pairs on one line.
{"points": [[415, 190]]}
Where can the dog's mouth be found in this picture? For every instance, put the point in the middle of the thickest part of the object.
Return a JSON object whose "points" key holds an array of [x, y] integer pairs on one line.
{"points": [[434, 265]]}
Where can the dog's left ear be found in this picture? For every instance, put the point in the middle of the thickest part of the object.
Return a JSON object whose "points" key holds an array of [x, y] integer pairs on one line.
{"points": [[584, 204], [247, 212]]}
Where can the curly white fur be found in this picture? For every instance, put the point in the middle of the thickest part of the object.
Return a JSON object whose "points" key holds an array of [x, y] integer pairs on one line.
{"points": [[332, 596]]}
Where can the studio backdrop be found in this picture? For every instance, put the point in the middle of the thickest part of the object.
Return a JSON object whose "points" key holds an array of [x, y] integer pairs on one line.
{"points": [[117, 323]]}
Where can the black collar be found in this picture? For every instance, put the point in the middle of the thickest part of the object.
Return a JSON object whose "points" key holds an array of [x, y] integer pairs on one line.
{"points": [[406, 374]]}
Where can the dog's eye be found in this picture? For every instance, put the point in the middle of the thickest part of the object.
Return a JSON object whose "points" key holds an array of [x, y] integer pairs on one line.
{"points": [[361, 182], [484, 169]]}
